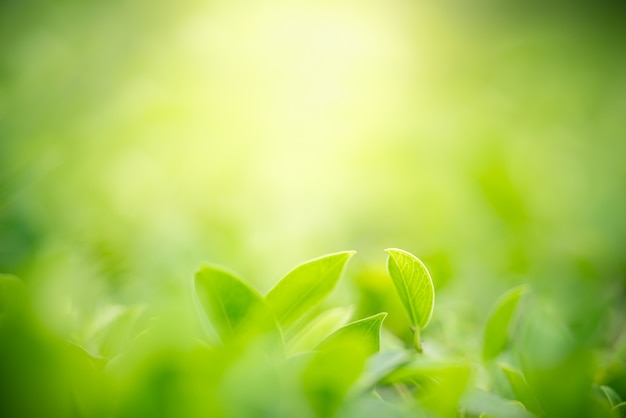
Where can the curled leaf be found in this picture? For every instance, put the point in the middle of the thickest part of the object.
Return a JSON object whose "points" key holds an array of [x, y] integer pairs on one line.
{"points": [[415, 288]]}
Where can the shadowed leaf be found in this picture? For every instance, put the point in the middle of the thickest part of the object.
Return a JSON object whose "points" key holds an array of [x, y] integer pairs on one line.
{"points": [[231, 306], [498, 326]]}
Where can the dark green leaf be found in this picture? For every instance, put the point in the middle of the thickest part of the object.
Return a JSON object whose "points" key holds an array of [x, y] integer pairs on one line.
{"points": [[620, 410]]}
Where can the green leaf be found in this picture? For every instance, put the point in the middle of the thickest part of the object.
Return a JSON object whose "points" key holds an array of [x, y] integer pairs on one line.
{"points": [[13, 295], [498, 325], [620, 410], [331, 373], [485, 404], [415, 288], [366, 332], [521, 389], [232, 307], [612, 396], [305, 286], [117, 335], [438, 386], [381, 365], [319, 328]]}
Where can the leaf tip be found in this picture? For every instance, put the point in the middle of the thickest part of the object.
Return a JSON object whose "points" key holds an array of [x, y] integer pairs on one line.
{"points": [[348, 253]]}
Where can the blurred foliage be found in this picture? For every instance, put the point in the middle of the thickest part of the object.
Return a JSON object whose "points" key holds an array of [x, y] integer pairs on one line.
{"points": [[138, 140]]}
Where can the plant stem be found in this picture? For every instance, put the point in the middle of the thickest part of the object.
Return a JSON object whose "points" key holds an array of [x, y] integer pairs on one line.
{"points": [[416, 339]]}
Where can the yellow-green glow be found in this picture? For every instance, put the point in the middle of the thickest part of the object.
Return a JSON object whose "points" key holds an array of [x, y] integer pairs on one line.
{"points": [[140, 140]]}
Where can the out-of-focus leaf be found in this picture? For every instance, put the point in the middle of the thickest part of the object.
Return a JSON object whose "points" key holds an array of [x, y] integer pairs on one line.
{"points": [[319, 328], [620, 409], [612, 396], [522, 391], [443, 395], [88, 388], [13, 296], [498, 326], [380, 365], [364, 331], [375, 407], [415, 288], [305, 286], [437, 386], [485, 404], [117, 335], [232, 307], [331, 373], [34, 380]]}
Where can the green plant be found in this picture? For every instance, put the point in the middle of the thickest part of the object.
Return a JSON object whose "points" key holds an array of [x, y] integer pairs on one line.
{"points": [[288, 354]]}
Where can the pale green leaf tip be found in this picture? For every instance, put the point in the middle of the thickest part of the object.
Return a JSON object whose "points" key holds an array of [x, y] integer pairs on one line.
{"points": [[347, 254], [209, 267], [392, 251], [381, 316]]}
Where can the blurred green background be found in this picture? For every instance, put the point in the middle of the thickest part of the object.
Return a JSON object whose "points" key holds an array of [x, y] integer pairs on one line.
{"points": [[139, 139]]}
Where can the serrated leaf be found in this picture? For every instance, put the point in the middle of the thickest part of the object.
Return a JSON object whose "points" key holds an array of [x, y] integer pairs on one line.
{"points": [[232, 307], [521, 389], [414, 285], [498, 325], [319, 328], [305, 286], [364, 331]]}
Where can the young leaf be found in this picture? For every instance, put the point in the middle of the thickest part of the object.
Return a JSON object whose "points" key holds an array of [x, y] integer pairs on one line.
{"points": [[305, 286], [497, 329], [366, 332], [414, 286], [231, 306]]}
